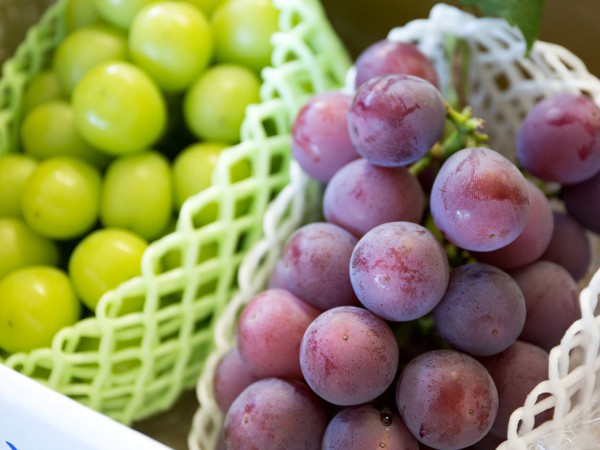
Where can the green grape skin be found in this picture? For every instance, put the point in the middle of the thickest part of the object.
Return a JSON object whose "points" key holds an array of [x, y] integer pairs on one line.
{"points": [[243, 30], [214, 106], [103, 260], [85, 48], [119, 109], [15, 169], [35, 303], [172, 41], [137, 194], [206, 6], [20, 247], [49, 130], [119, 13], [60, 199], [80, 13], [41, 88]]}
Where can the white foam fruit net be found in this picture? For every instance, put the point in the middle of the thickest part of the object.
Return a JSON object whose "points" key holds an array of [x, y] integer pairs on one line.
{"points": [[501, 84]]}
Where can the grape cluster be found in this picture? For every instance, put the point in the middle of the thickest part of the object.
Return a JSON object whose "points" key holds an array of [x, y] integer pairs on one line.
{"points": [[420, 312], [128, 120]]}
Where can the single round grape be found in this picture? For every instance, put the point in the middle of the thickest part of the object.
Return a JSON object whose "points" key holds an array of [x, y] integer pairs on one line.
{"points": [[533, 240], [49, 130], [367, 427], [243, 31], [83, 49], [479, 200], [320, 139], [394, 120], [103, 260], [231, 378], [516, 371], [35, 303], [137, 194], [552, 300], [41, 88], [215, 104], [172, 41], [15, 170], [349, 356], [79, 13], [20, 247], [60, 199], [577, 197], [273, 414], [386, 57], [569, 246], [361, 196], [399, 271], [446, 399], [119, 13], [118, 108], [559, 140], [482, 312], [315, 265], [269, 333]]}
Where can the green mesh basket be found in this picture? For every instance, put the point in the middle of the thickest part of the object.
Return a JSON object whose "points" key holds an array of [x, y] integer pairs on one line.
{"points": [[150, 337]]}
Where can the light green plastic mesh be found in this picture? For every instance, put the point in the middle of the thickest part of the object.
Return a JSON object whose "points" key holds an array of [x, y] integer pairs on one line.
{"points": [[150, 336]]}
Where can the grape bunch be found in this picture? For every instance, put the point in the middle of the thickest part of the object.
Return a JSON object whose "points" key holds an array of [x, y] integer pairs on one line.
{"points": [[420, 311], [125, 123]]}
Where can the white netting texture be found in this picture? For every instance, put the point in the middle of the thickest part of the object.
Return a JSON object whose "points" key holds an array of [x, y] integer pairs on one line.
{"points": [[501, 85]]}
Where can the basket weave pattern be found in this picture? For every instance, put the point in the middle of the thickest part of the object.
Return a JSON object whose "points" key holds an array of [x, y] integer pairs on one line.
{"points": [[151, 335]]}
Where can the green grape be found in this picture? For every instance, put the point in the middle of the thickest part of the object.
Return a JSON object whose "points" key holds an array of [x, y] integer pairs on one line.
{"points": [[85, 48], [79, 13], [243, 30], [60, 200], [172, 41], [15, 169], [35, 303], [206, 6], [20, 246], [137, 194], [119, 109], [49, 130], [41, 88], [103, 260], [215, 104], [119, 12]]}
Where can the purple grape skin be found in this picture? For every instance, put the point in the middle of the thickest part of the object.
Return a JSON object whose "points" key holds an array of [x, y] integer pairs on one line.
{"points": [[576, 198], [231, 377], [269, 333], [366, 427], [394, 120], [552, 300], [516, 372], [559, 140], [446, 399], [276, 280], [315, 265], [273, 414], [569, 246], [479, 200], [482, 312], [399, 271], [386, 57], [349, 356], [361, 196], [320, 138], [532, 242]]}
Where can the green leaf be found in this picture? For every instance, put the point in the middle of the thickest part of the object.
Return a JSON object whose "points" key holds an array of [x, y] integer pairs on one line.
{"points": [[525, 14]]}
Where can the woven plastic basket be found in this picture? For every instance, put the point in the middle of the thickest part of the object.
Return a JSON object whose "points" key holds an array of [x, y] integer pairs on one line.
{"points": [[501, 85], [132, 364]]}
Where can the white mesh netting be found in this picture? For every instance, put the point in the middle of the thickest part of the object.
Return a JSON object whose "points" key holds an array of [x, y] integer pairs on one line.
{"points": [[501, 85]]}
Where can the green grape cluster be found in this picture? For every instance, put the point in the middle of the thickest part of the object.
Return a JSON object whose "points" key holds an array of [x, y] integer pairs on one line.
{"points": [[125, 124]]}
